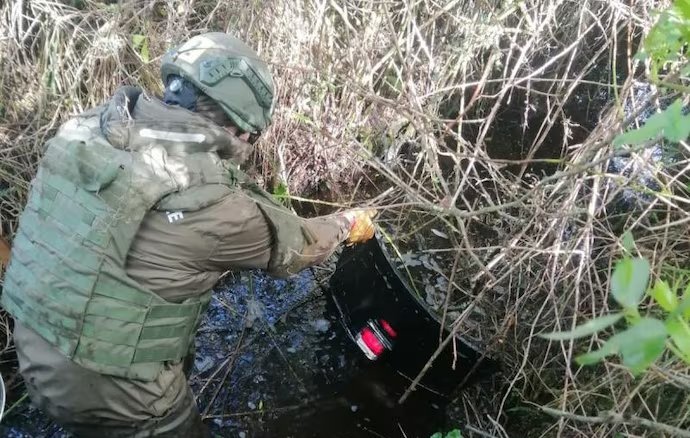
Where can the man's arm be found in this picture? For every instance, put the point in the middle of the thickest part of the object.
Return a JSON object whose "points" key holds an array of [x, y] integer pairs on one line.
{"points": [[254, 232], [320, 237]]}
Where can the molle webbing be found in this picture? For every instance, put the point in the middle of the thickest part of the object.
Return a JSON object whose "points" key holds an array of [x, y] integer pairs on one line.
{"points": [[67, 278]]}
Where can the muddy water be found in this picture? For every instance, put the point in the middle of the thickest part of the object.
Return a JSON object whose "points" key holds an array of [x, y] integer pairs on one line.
{"points": [[260, 371]]}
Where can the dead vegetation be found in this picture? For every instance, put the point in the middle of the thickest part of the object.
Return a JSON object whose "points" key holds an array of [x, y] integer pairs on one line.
{"points": [[494, 118]]}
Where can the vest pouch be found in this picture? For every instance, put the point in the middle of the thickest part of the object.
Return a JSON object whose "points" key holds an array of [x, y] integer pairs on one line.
{"points": [[68, 280], [97, 166]]}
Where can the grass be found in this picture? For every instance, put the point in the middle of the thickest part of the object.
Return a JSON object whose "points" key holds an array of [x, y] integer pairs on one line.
{"points": [[486, 114]]}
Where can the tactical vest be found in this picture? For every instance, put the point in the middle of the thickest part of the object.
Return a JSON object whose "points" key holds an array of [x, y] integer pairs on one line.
{"points": [[67, 278]]}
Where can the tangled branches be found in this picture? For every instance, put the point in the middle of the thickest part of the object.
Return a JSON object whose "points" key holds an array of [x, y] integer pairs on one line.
{"points": [[488, 121]]}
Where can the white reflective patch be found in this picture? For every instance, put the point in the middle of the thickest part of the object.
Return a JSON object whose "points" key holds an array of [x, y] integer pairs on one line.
{"points": [[172, 136], [174, 216]]}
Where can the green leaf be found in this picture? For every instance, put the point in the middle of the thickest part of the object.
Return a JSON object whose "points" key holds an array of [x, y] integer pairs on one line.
{"points": [[455, 433], [664, 296], [629, 281], [590, 327], [665, 38], [628, 241], [280, 190], [144, 52], [303, 118], [141, 43], [683, 308], [138, 40], [281, 194], [678, 127], [683, 8], [436, 435], [610, 347], [640, 345], [680, 335], [649, 130], [671, 123]]}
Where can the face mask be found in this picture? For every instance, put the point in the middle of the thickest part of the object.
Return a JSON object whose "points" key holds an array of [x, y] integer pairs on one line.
{"points": [[180, 92]]}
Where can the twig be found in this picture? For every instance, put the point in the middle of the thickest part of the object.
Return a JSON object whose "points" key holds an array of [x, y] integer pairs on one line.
{"points": [[479, 432], [617, 418], [15, 404], [229, 369], [449, 289], [451, 336]]}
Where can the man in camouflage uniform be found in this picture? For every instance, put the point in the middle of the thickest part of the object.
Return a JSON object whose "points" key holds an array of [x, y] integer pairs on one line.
{"points": [[137, 209]]}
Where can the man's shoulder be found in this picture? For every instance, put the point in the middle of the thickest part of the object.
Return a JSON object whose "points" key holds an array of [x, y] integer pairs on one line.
{"points": [[81, 127]]}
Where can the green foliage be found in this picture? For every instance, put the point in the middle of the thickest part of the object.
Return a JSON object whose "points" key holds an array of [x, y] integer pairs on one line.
{"points": [[667, 38], [662, 294], [645, 338], [684, 307], [141, 45], [280, 191], [303, 118], [587, 329], [629, 281], [455, 433], [671, 123], [639, 346], [664, 48], [679, 330]]}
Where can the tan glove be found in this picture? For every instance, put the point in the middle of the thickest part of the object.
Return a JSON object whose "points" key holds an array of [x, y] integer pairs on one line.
{"points": [[361, 226]]}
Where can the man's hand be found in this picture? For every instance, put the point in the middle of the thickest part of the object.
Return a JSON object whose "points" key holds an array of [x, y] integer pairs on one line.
{"points": [[361, 226]]}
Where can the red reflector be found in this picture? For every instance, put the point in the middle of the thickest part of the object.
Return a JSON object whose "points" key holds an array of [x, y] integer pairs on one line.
{"points": [[387, 327], [371, 341]]}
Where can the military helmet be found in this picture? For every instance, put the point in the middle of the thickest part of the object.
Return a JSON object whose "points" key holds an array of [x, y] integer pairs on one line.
{"points": [[230, 73]]}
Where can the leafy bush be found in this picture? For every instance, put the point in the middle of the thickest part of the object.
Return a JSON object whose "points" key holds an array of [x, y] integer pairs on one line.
{"points": [[664, 48], [645, 338], [488, 117]]}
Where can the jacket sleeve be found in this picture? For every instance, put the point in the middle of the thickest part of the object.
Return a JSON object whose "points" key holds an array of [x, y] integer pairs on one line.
{"points": [[322, 236], [298, 243], [255, 232]]}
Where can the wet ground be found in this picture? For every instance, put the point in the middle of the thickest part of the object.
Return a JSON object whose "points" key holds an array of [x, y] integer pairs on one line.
{"points": [[273, 359], [298, 373]]}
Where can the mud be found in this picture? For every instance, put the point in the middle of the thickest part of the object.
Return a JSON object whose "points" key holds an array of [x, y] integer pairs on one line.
{"points": [[260, 371]]}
